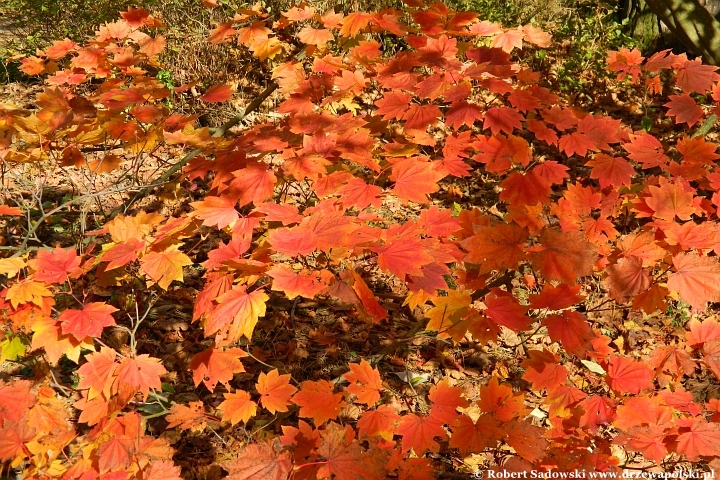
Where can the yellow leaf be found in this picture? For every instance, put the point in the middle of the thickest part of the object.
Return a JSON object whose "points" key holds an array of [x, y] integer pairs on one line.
{"points": [[11, 266], [265, 47], [28, 291], [415, 299], [91, 137], [32, 124], [448, 310], [346, 103]]}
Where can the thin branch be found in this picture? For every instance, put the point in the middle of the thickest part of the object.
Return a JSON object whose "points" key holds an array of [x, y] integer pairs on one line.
{"points": [[194, 153], [34, 227]]}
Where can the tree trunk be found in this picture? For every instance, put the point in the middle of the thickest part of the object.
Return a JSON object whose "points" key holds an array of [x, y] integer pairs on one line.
{"points": [[692, 24]]}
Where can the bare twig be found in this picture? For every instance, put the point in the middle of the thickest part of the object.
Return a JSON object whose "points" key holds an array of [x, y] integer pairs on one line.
{"points": [[194, 153]]}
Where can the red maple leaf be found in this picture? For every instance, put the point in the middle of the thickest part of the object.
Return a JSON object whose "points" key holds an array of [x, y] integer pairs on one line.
{"points": [[502, 119], [505, 310], [253, 184], [627, 278], [693, 76], [218, 93], [216, 211], [370, 305], [474, 437], [563, 256], [615, 171], [701, 439], [306, 283], [393, 105], [123, 253], [696, 150], [701, 332], [446, 400], [116, 453], [598, 411], [418, 433], [672, 360], [527, 189], [88, 322], [237, 314], [556, 298], [293, 241], [56, 266], [647, 150], [528, 440], [415, 179], [421, 116], [359, 194], [403, 257], [13, 437], [648, 440], [346, 459], [544, 370], [684, 109], [576, 142], [98, 374], [138, 374], [571, 329], [696, 279], [15, 400], [496, 247], [672, 199], [463, 113], [628, 376], [500, 401]]}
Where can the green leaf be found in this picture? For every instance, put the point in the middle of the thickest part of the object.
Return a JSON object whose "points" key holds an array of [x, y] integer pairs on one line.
{"points": [[646, 124], [12, 348]]}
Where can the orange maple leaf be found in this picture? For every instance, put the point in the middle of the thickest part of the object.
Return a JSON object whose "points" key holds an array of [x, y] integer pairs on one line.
{"points": [[368, 386], [166, 266], [27, 291], [236, 315], [380, 422], [191, 417], [216, 365], [627, 376], [474, 437], [275, 391], [238, 407], [317, 401], [262, 460]]}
